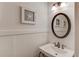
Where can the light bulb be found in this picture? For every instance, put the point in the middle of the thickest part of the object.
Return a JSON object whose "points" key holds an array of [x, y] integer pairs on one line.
{"points": [[63, 4], [54, 8]]}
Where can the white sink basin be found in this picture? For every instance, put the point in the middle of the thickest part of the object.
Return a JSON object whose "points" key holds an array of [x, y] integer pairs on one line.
{"points": [[59, 50], [50, 50]]}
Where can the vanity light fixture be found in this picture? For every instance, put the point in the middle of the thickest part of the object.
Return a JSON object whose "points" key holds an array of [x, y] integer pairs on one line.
{"points": [[58, 4]]}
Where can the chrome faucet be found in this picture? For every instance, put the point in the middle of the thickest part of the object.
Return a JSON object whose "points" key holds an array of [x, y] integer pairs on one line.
{"points": [[57, 45]]}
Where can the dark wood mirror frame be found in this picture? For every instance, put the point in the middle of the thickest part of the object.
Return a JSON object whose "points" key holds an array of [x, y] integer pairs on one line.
{"points": [[69, 25]]}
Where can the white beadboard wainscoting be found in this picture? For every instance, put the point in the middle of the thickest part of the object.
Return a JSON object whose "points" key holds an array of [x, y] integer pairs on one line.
{"points": [[23, 45]]}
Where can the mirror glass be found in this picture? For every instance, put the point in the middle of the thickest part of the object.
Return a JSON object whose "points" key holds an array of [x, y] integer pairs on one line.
{"points": [[61, 25]]}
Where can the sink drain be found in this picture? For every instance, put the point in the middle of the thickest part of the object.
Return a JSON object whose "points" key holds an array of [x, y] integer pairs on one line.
{"points": [[56, 54]]}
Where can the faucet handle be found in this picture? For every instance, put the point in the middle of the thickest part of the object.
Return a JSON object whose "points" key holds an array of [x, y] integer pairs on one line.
{"points": [[63, 46]]}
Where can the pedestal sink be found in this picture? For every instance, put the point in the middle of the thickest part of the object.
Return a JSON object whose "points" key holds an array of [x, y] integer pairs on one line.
{"points": [[51, 51]]}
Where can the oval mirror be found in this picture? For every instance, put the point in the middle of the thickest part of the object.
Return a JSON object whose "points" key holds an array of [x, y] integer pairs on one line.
{"points": [[61, 25]]}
